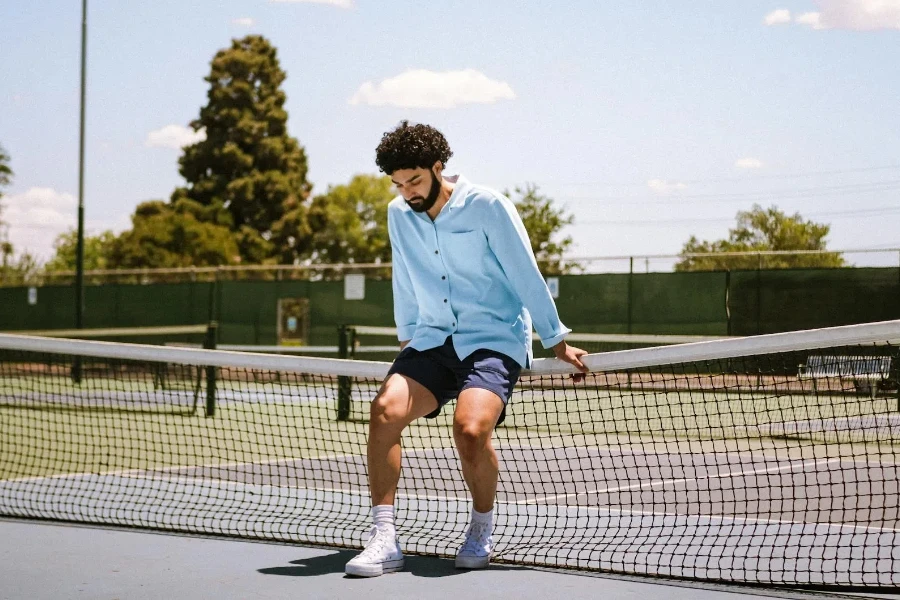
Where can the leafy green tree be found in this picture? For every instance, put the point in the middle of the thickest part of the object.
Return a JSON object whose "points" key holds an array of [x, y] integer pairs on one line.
{"points": [[17, 270], [14, 270], [248, 165], [762, 230], [544, 223], [349, 222], [97, 249], [181, 234]]}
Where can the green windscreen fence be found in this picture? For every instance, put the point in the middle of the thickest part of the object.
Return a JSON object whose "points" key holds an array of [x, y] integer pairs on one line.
{"points": [[670, 303], [789, 300], [247, 311], [110, 305], [592, 303], [706, 303], [679, 303]]}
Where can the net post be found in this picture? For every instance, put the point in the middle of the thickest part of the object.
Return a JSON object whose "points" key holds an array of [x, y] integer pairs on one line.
{"points": [[76, 371], [209, 342], [343, 408], [351, 342]]}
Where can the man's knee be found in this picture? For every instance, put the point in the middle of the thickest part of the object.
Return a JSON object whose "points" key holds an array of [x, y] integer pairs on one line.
{"points": [[388, 408], [399, 402], [472, 439]]}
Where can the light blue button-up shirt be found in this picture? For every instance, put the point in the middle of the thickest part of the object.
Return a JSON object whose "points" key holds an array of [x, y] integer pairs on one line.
{"points": [[469, 274]]}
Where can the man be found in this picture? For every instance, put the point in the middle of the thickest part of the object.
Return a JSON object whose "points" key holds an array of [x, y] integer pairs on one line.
{"points": [[466, 288]]}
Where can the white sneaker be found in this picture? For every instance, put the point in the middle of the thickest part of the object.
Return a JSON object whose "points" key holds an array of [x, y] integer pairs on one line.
{"points": [[382, 555], [475, 552]]}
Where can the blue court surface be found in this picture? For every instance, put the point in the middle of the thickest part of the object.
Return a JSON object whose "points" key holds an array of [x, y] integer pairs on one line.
{"points": [[56, 561]]}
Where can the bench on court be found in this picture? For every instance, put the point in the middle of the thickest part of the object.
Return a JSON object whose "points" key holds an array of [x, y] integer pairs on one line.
{"points": [[866, 372]]}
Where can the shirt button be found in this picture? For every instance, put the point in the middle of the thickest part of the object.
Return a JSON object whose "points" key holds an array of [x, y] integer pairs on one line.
{"points": [[445, 300], [443, 277], [435, 251]]}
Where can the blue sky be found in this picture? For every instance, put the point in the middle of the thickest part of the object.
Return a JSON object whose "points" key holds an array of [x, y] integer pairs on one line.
{"points": [[649, 121]]}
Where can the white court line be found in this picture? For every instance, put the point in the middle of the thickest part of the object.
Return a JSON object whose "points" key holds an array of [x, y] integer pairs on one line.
{"points": [[603, 452], [732, 519], [595, 509], [143, 474], [330, 490], [664, 482], [612, 451], [139, 471]]}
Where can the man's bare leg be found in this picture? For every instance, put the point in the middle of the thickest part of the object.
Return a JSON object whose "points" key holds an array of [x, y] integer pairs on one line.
{"points": [[477, 411], [399, 402]]}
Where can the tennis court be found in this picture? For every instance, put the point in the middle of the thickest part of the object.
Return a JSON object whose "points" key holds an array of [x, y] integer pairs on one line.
{"points": [[675, 519], [682, 462]]}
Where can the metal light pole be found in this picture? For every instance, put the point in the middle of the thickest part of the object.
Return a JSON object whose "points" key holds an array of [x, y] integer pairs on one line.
{"points": [[79, 252]]}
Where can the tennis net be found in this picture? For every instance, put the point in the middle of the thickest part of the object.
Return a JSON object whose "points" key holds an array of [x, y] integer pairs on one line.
{"points": [[770, 459]]}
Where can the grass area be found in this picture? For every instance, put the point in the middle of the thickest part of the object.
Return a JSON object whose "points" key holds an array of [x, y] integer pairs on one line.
{"points": [[47, 442]]}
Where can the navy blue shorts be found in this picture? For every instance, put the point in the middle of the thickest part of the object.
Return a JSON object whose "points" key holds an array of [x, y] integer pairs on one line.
{"points": [[445, 375]]}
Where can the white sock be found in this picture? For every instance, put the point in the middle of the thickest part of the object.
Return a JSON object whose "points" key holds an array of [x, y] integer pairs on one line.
{"points": [[486, 519], [383, 516]]}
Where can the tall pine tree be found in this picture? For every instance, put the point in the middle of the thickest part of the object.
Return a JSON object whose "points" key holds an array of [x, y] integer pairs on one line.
{"points": [[248, 165]]}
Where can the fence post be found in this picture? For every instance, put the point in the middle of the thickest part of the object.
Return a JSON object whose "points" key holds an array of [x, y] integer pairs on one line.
{"points": [[209, 343], [728, 302], [630, 291], [344, 383], [758, 293]]}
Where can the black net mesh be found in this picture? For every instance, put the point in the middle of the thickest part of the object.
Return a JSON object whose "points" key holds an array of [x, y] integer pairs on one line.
{"points": [[767, 468]]}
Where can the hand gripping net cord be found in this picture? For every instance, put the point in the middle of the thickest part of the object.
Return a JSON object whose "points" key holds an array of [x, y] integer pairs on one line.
{"points": [[770, 459]]}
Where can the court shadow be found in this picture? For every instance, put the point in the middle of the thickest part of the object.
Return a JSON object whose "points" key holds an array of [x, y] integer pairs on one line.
{"points": [[334, 562], [432, 566], [325, 564]]}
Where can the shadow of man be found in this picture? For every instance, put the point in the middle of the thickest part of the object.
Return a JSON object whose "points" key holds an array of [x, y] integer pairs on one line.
{"points": [[334, 562]]}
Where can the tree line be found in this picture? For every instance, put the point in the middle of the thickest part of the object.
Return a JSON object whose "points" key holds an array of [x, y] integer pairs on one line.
{"points": [[247, 199]]}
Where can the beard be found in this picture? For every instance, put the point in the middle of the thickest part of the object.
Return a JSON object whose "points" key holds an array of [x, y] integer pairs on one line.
{"points": [[423, 204]]}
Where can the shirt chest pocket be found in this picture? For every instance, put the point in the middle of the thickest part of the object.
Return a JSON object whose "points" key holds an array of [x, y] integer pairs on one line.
{"points": [[465, 250]]}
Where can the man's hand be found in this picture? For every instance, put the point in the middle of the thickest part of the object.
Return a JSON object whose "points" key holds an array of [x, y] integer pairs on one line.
{"points": [[403, 344], [571, 355]]}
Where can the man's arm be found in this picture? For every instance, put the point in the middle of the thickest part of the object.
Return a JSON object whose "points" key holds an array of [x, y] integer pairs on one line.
{"points": [[406, 308], [509, 241]]}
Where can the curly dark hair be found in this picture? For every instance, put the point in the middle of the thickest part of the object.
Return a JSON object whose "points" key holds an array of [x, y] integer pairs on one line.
{"points": [[411, 147]]}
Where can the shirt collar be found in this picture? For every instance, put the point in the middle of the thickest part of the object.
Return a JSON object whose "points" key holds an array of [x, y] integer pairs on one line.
{"points": [[461, 187]]}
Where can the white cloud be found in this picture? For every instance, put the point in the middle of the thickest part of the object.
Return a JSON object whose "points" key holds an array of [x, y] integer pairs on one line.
{"points": [[665, 187], [243, 22], [419, 88], [778, 17], [337, 3], [35, 218], [174, 136], [748, 163], [811, 19], [854, 15]]}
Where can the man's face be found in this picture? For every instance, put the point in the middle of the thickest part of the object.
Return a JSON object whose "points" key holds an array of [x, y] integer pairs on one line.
{"points": [[420, 187]]}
